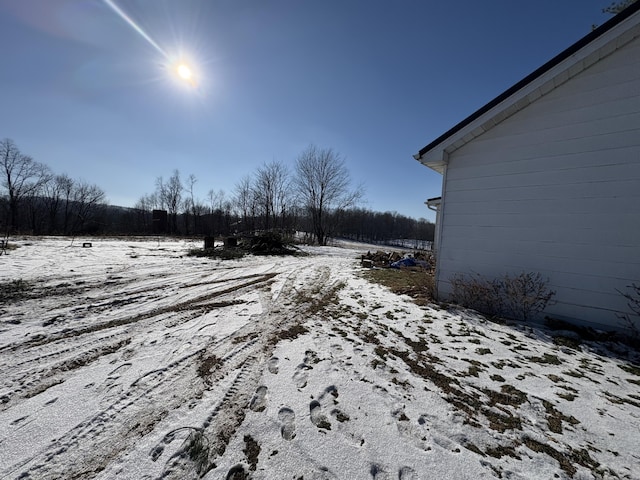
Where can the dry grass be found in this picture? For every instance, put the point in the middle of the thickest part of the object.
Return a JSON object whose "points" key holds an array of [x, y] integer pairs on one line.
{"points": [[290, 333], [415, 282]]}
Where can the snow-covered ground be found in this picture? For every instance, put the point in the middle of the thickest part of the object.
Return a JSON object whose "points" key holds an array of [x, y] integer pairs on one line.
{"points": [[131, 360]]}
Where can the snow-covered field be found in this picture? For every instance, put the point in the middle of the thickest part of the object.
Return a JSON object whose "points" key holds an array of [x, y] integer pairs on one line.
{"points": [[130, 360]]}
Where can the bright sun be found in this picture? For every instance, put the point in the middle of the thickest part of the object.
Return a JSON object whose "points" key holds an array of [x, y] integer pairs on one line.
{"points": [[185, 72]]}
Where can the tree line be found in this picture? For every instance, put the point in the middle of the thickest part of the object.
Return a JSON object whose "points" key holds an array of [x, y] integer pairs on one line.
{"points": [[315, 195], [35, 199]]}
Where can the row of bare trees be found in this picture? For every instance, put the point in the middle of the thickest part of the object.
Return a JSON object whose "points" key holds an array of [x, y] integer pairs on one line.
{"points": [[315, 194], [310, 196], [36, 200]]}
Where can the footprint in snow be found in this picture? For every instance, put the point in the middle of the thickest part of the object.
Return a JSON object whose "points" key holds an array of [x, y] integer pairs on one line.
{"points": [[443, 442], [408, 429], [310, 357], [301, 376], [317, 418], [379, 473], [288, 420], [407, 473], [156, 452], [330, 390], [259, 400], [237, 472], [323, 474], [272, 365], [339, 415]]}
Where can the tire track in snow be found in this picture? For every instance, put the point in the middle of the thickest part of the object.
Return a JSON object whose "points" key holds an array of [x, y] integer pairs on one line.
{"points": [[26, 382], [141, 407], [177, 307]]}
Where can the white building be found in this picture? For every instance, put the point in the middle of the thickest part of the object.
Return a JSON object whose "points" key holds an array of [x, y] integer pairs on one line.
{"points": [[546, 178]]}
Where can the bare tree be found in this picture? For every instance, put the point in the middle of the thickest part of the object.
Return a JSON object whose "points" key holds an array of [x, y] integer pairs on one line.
{"points": [[190, 204], [198, 208], [67, 185], [86, 202], [245, 202], [271, 191], [283, 195], [148, 202], [21, 176], [216, 200], [53, 199], [219, 210], [170, 197], [323, 185], [35, 209], [144, 207]]}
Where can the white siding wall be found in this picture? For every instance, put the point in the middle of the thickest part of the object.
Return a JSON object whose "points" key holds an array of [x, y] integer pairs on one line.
{"points": [[555, 189]]}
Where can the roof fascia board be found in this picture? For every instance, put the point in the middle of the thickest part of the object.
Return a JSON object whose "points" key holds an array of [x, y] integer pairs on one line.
{"points": [[554, 73]]}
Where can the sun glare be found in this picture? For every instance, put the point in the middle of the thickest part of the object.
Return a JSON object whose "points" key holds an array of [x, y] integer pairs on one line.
{"points": [[184, 72]]}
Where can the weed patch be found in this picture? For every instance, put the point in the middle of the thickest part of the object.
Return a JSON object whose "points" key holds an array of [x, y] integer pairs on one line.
{"points": [[475, 368], [521, 296], [632, 369], [472, 447], [500, 364], [502, 451], [547, 358], [619, 400], [502, 423], [566, 460], [569, 342], [290, 333], [555, 417], [508, 395]]}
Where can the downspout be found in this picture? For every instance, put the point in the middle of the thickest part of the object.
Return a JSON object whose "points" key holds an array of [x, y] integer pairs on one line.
{"points": [[439, 223], [433, 204]]}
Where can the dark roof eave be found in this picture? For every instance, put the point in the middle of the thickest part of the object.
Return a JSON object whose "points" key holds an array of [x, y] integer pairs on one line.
{"points": [[605, 27]]}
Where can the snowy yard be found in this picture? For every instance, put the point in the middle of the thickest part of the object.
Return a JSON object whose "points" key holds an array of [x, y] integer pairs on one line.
{"points": [[131, 360]]}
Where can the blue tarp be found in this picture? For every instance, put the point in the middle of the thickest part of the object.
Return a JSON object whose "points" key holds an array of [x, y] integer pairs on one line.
{"points": [[405, 262]]}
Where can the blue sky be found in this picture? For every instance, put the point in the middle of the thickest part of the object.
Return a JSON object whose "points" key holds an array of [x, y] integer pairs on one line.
{"points": [[85, 93]]}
